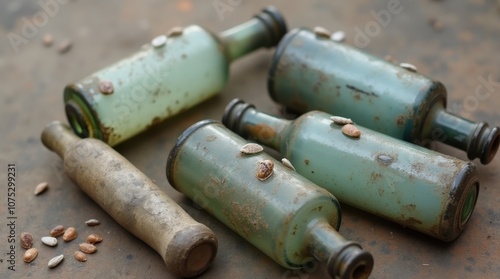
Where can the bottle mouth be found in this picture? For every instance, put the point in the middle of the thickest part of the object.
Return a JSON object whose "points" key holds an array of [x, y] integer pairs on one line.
{"points": [[468, 205], [79, 115], [491, 146], [275, 23], [233, 113], [357, 263]]}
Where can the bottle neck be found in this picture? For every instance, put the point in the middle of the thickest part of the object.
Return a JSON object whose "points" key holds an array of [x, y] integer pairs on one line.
{"points": [[264, 30], [343, 259], [477, 139], [58, 137], [246, 121]]}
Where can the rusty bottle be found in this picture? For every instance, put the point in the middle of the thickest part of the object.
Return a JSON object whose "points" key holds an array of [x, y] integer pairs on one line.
{"points": [[171, 74], [312, 72], [405, 183], [134, 201], [286, 216]]}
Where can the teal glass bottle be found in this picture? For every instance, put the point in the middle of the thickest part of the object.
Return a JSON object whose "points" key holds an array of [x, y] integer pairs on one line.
{"points": [[172, 74], [313, 72], [289, 218], [405, 183]]}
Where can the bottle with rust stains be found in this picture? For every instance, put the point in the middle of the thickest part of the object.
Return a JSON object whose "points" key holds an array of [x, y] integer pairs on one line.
{"points": [[405, 183], [286, 216], [312, 72], [173, 73]]}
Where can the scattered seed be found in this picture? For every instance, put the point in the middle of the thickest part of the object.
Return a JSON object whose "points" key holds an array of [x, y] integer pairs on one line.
{"points": [[40, 188], [30, 255], [341, 120], [251, 148], [55, 261], [26, 240], [70, 234], [49, 240], [175, 31], [338, 36], [351, 130], [88, 248], [287, 163], [92, 222], [409, 67], [64, 46], [94, 238], [80, 256], [265, 170], [57, 231], [47, 40], [322, 32], [106, 87], [436, 24], [159, 41]]}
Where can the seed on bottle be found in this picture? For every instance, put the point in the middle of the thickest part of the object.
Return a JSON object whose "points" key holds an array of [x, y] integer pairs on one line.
{"points": [[341, 120], [409, 67], [49, 240], [322, 32], [88, 248], [94, 238], [80, 256], [92, 222], [106, 87], [265, 170], [175, 31], [26, 240], [351, 131], [338, 36], [57, 231], [30, 255], [70, 234], [55, 261], [159, 41], [40, 188], [287, 163], [251, 148]]}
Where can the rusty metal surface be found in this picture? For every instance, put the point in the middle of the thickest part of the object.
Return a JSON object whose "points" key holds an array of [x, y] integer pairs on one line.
{"points": [[462, 55]]}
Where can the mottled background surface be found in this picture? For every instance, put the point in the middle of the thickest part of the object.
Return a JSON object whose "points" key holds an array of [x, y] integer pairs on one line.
{"points": [[32, 77]]}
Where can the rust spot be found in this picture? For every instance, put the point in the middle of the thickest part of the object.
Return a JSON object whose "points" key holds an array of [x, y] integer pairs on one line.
{"points": [[409, 207], [210, 138], [306, 161], [401, 120], [376, 118], [384, 159], [375, 176], [263, 132]]}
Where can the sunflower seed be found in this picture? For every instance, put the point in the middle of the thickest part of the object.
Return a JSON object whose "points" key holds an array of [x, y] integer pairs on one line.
{"points": [[80, 256], [49, 240], [70, 234], [106, 87], [55, 261], [159, 41], [265, 170], [87, 248], [409, 67], [57, 231], [30, 255], [26, 240], [65, 46], [351, 131], [251, 148], [338, 36], [92, 222], [40, 188], [341, 120], [47, 40], [322, 32], [287, 163], [175, 31]]}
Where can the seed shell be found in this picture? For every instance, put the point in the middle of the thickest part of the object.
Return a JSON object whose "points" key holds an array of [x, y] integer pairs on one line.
{"points": [[55, 261], [159, 41], [351, 131], [70, 234], [26, 240], [64, 46], [322, 32], [341, 120], [57, 231], [94, 238], [92, 222], [49, 240], [338, 36], [175, 31], [287, 163], [30, 255], [40, 188], [80, 256], [409, 67], [265, 170], [251, 148], [88, 248]]}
